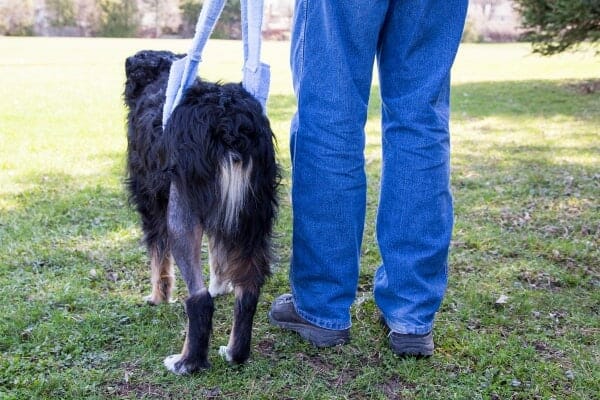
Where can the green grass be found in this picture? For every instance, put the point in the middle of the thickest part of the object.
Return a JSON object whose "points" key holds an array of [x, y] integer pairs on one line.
{"points": [[526, 177]]}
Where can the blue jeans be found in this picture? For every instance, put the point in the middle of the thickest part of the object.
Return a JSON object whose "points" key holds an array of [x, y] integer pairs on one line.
{"points": [[334, 46]]}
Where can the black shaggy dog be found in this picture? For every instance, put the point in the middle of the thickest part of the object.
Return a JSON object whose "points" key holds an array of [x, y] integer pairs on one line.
{"points": [[212, 171]]}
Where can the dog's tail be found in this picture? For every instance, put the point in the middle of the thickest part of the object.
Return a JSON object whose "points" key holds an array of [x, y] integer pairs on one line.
{"points": [[235, 187]]}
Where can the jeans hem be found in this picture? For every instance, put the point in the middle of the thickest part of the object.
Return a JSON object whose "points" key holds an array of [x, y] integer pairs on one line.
{"points": [[321, 323], [404, 329]]}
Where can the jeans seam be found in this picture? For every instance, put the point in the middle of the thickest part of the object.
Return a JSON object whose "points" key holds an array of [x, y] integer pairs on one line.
{"points": [[300, 66], [303, 35]]}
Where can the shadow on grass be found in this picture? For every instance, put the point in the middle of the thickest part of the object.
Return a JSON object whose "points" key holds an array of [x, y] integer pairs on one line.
{"points": [[543, 98], [70, 231], [514, 98]]}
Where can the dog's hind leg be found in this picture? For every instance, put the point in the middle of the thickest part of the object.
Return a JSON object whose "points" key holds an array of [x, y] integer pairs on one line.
{"points": [[217, 257], [163, 278], [185, 237], [237, 350], [247, 275]]}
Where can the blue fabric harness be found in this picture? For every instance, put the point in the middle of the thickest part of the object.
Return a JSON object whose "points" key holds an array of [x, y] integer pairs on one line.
{"points": [[256, 74]]}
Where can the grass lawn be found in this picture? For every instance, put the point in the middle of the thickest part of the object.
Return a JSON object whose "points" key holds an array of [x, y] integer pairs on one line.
{"points": [[526, 178]]}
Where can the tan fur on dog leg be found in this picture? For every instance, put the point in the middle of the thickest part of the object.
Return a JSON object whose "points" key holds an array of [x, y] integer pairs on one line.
{"points": [[162, 278]]}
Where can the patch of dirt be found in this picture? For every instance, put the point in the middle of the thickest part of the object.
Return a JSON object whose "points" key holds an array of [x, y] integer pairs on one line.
{"points": [[511, 220], [393, 388], [318, 363], [549, 353], [137, 390], [329, 371], [540, 280], [266, 348]]}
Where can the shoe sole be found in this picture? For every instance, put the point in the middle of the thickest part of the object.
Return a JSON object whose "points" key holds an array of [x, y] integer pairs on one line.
{"points": [[412, 346], [318, 337], [409, 346]]}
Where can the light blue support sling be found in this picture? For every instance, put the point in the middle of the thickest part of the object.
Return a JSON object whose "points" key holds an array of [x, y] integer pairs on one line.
{"points": [[256, 75]]}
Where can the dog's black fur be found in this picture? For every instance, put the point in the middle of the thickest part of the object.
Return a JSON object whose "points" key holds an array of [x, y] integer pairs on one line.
{"points": [[212, 171]]}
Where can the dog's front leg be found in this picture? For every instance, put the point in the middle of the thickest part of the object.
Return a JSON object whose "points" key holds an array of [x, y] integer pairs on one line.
{"points": [[185, 236], [163, 279]]}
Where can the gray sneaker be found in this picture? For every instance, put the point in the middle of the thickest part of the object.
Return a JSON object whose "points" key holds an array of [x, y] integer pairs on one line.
{"points": [[283, 314], [407, 345]]}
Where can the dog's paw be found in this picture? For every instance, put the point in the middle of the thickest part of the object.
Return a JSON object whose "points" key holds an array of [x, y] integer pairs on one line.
{"points": [[180, 366], [156, 300], [224, 352], [152, 300], [174, 364], [217, 289]]}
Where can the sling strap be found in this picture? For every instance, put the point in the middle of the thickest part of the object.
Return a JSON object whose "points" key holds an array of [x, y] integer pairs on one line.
{"points": [[256, 75]]}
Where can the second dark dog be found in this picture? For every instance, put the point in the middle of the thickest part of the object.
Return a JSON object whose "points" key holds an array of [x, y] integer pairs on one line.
{"points": [[212, 171]]}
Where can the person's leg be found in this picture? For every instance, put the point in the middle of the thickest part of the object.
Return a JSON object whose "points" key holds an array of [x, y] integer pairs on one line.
{"points": [[418, 44], [333, 51]]}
